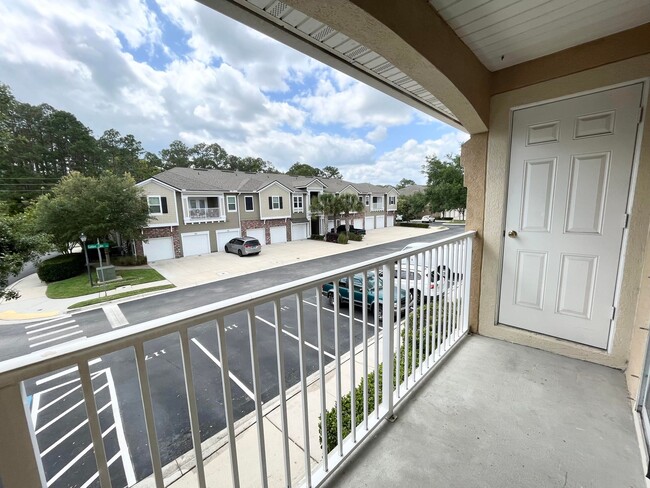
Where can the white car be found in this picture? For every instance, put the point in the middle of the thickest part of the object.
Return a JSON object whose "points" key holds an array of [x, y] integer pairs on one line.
{"points": [[424, 260], [426, 219], [418, 284]]}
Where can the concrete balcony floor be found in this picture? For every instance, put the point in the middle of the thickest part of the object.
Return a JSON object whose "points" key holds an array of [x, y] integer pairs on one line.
{"points": [[502, 415]]}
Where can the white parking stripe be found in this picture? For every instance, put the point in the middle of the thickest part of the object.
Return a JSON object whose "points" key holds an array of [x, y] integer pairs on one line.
{"points": [[51, 332], [49, 449], [31, 326], [77, 458], [68, 411], [49, 327], [114, 315], [61, 397], [308, 344], [63, 373], [370, 322], [232, 376], [96, 475], [57, 338], [36, 401]]}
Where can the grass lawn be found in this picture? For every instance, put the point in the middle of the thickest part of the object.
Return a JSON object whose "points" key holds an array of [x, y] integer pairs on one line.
{"points": [[131, 293], [79, 286]]}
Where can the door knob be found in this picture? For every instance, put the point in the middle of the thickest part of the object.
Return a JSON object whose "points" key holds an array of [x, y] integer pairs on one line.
{"points": [[512, 233]]}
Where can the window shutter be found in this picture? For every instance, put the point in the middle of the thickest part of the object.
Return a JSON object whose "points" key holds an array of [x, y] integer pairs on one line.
{"points": [[163, 203], [280, 203], [270, 203]]}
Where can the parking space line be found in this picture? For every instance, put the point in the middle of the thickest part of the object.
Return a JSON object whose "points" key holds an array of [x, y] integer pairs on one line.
{"points": [[46, 451], [121, 438], [63, 373], [68, 411], [36, 400], [31, 326], [370, 323], [308, 344], [61, 397], [57, 338], [230, 373], [74, 380], [49, 327], [77, 458], [51, 332], [96, 475]]}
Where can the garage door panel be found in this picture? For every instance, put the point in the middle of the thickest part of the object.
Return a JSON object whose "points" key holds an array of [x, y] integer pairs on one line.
{"points": [[195, 243], [390, 221], [278, 235], [224, 236], [298, 232], [370, 223], [380, 222], [158, 248], [258, 234], [358, 223]]}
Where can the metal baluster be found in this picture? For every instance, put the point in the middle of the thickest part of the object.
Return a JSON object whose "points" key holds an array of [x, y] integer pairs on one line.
{"points": [[337, 355], [93, 423], [468, 279], [398, 327], [257, 393], [321, 370], [303, 385], [227, 400], [421, 310], [414, 331], [407, 325], [353, 391], [147, 405], [364, 307], [389, 350], [282, 392], [445, 269], [429, 301], [191, 403], [377, 305]]}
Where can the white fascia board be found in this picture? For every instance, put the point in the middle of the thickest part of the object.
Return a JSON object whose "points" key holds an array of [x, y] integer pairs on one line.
{"points": [[275, 182], [157, 182]]}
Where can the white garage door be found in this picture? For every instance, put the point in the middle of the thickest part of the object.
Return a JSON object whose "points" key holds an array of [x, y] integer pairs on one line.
{"points": [[390, 221], [358, 223], [278, 234], [330, 225], [195, 243], [380, 222], [158, 248], [223, 236], [298, 232], [258, 234], [370, 223]]}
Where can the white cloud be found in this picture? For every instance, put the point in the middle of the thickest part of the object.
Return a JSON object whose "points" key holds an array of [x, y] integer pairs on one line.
{"points": [[406, 161], [377, 134]]}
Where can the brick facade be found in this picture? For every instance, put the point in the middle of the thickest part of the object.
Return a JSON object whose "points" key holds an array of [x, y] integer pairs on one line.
{"points": [[150, 233], [266, 225]]}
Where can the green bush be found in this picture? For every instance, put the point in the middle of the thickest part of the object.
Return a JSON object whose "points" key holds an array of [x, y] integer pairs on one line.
{"points": [[129, 260], [355, 237], [343, 238], [317, 237], [414, 224], [61, 267]]}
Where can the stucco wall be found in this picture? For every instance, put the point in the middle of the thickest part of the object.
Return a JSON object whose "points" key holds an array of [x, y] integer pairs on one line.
{"points": [[255, 214], [496, 188], [275, 190]]}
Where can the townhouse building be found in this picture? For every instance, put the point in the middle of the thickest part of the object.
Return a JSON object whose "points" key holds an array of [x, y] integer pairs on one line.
{"points": [[197, 211]]}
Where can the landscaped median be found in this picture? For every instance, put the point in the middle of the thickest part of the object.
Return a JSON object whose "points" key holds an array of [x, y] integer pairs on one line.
{"points": [[79, 286]]}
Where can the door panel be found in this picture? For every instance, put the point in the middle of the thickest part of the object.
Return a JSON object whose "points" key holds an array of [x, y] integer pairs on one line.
{"points": [[570, 169]]}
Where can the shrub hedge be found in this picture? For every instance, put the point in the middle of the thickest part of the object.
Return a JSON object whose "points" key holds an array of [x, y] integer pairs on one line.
{"points": [[355, 237], [317, 237], [343, 238], [129, 260], [61, 267], [414, 224]]}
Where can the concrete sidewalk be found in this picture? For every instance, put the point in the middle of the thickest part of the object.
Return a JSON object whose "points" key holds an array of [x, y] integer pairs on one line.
{"points": [[197, 270]]}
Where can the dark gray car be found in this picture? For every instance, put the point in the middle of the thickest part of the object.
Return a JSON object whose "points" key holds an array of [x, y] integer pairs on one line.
{"points": [[244, 246]]}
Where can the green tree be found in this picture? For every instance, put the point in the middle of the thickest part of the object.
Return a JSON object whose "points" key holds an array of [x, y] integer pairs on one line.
{"points": [[209, 156], [403, 183], [411, 206], [176, 155], [445, 180], [304, 169], [19, 244], [121, 154], [332, 172], [350, 203], [329, 205], [99, 207]]}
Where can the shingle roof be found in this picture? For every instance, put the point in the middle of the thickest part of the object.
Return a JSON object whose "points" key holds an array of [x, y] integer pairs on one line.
{"points": [[189, 179], [411, 190]]}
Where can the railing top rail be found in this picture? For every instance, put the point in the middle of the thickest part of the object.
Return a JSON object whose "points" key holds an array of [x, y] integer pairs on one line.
{"points": [[65, 355]]}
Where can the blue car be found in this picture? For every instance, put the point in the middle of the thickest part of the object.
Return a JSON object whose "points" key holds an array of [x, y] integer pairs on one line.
{"points": [[374, 305]]}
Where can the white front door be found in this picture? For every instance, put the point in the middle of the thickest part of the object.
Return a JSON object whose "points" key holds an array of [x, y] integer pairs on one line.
{"points": [[570, 168]]}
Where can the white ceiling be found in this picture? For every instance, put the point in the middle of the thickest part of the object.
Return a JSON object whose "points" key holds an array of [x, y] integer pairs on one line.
{"points": [[506, 32]]}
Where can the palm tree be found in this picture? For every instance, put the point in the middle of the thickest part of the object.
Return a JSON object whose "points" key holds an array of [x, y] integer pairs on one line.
{"points": [[329, 204], [350, 203]]}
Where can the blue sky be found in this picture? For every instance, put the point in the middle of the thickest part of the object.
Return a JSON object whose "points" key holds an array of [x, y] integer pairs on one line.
{"points": [[175, 69]]}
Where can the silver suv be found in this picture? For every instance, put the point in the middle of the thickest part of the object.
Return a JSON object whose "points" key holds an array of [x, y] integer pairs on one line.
{"points": [[244, 246]]}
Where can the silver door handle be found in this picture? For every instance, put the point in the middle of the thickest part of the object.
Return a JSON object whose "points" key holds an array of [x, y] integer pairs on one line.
{"points": [[512, 233]]}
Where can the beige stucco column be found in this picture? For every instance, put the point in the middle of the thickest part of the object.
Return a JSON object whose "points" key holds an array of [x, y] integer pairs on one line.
{"points": [[473, 158]]}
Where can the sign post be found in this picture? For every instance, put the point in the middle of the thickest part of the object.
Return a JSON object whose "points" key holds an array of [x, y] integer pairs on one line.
{"points": [[99, 246]]}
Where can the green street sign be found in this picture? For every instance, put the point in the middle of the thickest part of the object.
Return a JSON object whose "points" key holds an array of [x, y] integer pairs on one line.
{"points": [[95, 246]]}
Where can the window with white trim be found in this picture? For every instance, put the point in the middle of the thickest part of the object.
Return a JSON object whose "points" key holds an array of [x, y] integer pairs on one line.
{"points": [[248, 203], [155, 205], [231, 203], [297, 203], [391, 200], [275, 202]]}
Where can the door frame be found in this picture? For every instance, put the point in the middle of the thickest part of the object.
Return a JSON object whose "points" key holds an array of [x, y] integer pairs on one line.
{"points": [[645, 82]]}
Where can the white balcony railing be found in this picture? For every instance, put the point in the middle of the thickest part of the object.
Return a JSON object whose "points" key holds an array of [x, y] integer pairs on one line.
{"points": [[302, 354], [203, 214], [377, 207]]}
